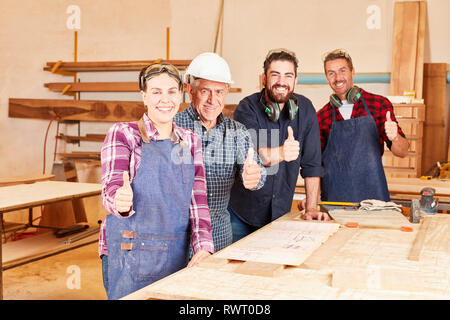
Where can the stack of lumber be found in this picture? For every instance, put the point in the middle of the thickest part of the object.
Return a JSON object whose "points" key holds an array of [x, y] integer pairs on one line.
{"points": [[407, 76]]}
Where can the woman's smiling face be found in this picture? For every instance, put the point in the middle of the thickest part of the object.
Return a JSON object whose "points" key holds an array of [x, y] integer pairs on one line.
{"points": [[162, 98]]}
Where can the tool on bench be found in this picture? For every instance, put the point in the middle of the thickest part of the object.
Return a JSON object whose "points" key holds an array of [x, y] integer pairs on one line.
{"points": [[428, 203], [83, 234], [70, 230], [414, 215], [326, 206], [441, 170]]}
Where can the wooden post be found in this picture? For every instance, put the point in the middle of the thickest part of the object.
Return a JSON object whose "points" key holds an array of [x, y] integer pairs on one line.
{"points": [[434, 133]]}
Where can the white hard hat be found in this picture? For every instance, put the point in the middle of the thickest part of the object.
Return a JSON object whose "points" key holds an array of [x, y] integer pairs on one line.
{"points": [[210, 66]]}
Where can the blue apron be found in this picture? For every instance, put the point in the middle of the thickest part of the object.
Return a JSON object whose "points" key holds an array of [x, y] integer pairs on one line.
{"points": [[154, 242], [353, 170]]}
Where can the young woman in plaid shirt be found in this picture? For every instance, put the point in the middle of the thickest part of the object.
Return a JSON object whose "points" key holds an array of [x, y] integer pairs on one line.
{"points": [[154, 186]]}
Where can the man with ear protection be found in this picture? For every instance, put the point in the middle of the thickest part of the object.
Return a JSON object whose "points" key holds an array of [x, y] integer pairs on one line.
{"points": [[285, 130], [354, 125]]}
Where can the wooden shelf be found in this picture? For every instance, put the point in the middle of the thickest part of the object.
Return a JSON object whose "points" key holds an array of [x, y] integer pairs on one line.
{"points": [[81, 155], [88, 137], [95, 66], [101, 87], [85, 110]]}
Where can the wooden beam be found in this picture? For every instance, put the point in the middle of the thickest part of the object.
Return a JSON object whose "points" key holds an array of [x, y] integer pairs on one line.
{"points": [[85, 110], [93, 66], [416, 249], [101, 87]]}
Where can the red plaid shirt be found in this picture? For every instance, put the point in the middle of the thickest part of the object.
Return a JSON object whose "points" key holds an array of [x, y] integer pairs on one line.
{"points": [[378, 107]]}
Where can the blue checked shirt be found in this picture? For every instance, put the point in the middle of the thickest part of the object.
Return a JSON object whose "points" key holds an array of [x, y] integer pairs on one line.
{"points": [[225, 149]]}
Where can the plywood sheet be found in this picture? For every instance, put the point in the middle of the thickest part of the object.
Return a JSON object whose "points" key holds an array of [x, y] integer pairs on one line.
{"points": [[281, 242]]}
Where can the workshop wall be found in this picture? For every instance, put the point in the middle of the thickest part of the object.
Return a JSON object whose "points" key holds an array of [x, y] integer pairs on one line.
{"points": [[35, 32]]}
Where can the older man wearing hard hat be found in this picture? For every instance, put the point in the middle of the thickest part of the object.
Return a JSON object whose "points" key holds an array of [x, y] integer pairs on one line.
{"points": [[227, 147]]}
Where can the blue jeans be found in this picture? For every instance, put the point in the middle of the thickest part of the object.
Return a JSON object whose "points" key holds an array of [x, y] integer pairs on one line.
{"points": [[240, 228], [105, 271]]}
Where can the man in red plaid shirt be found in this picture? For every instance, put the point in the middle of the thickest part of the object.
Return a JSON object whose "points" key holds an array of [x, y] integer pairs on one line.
{"points": [[353, 128]]}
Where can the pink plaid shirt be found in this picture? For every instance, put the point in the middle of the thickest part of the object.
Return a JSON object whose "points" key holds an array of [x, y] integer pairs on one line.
{"points": [[122, 151]]}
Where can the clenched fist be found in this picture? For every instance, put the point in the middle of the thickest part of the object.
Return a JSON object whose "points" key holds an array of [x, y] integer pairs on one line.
{"points": [[291, 147], [124, 195]]}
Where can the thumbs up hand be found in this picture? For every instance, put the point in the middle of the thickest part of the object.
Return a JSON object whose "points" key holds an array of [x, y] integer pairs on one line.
{"points": [[124, 195], [252, 171], [291, 148], [390, 127]]}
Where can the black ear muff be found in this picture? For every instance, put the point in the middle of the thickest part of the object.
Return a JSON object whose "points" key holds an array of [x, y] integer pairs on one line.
{"points": [[335, 101], [293, 108], [273, 111], [353, 95]]}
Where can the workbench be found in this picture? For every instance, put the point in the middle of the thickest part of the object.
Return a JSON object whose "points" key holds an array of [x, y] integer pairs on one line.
{"points": [[405, 189], [353, 263], [27, 196]]}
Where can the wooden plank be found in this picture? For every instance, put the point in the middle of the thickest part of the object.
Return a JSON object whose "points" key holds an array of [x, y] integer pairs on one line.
{"points": [[87, 137], [319, 259], [404, 49], [101, 87], [213, 262], [418, 81], [262, 269], [434, 131], [93, 66], [416, 249], [85, 110], [29, 178], [388, 219], [80, 155]]}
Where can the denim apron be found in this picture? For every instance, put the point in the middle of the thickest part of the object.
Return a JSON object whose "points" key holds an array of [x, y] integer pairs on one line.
{"points": [[353, 170], [154, 242]]}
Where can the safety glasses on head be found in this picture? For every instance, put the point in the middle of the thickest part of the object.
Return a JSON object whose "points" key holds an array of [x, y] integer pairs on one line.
{"points": [[280, 50], [156, 69]]}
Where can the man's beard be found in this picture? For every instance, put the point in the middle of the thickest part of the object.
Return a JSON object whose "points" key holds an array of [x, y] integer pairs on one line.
{"points": [[279, 98]]}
